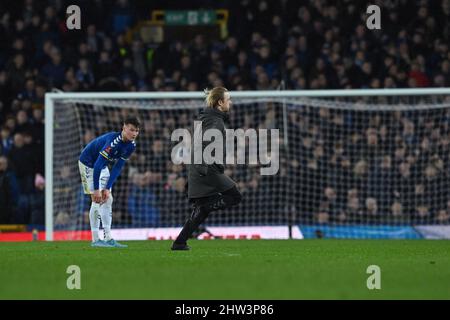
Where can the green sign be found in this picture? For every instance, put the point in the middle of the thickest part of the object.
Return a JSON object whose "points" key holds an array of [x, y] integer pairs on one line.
{"points": [[190, 18]]}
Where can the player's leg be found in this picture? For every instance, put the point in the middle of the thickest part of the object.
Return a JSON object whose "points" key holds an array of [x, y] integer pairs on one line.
{"points": [[180, 242], [202, 208], [94, 219], [106, 216], [105, 208], [106, 212], [226, 199], [86, 174]]}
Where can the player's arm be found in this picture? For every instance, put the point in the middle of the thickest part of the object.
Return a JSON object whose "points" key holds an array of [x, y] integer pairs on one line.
{"points": [[100, 163], [115, 172], [98, 166], [219, 125]]}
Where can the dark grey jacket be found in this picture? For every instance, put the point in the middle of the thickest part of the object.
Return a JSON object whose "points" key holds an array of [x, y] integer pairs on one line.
{"points": [[207, 180]]}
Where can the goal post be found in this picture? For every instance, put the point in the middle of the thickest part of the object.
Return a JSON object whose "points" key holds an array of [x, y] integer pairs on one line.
{"points": [[339, 148]]}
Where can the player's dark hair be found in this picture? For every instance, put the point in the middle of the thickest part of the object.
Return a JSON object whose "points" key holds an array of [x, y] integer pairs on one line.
{"points": [[133, 120]]}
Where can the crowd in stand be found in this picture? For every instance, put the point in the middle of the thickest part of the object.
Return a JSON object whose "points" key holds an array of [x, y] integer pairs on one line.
{"points": [[286, 44]]}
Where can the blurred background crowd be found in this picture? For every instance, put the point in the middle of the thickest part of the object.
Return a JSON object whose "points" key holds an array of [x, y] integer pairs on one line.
{"points": [[287, 44]]}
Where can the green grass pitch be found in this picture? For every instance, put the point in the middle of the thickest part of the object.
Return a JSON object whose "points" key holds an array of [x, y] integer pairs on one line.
{"points": [[228, 269]]}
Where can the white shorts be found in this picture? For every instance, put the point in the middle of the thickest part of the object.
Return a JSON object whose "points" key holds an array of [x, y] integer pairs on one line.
{"points": [[87, 178]]}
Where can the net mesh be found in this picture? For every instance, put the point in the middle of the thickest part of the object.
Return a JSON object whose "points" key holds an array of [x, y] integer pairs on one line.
{"points": [[368, 161]]}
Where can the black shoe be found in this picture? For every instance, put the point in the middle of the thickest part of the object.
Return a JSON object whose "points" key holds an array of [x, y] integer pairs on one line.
{"points": [[180, 246]]}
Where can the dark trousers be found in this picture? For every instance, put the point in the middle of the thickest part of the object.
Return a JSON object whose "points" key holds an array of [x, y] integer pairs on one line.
{"points": [[204, 206]]}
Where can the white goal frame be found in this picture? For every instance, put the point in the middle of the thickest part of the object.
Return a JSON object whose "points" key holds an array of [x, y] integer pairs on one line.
{"points": [[50, 99]]}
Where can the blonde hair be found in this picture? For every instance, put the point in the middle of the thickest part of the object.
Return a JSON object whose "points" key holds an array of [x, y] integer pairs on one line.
{"points": [[214, 95]]}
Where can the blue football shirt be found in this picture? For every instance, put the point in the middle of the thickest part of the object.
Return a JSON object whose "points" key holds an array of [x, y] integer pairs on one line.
{"points": [[110, 146]]}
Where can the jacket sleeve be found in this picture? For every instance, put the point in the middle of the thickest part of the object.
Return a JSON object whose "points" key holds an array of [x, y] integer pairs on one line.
{"points": [[220, 166], [202, 169]]}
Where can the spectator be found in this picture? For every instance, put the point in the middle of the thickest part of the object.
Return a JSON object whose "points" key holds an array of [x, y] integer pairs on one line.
{"points": [[6, 95], [17, 73], [372, 209], [397, 209], [9, 192], [37, 202], [418, 75], [105, 66], [142, 202], [37, 127], [55, 70], [353, 208], [84, 75], [7, 142], [122, 16], [22, 123], [22, 159], [443, 217]]}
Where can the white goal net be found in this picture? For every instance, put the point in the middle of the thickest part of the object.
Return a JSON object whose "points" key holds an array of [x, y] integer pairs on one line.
{"points": [[352, 163]]}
